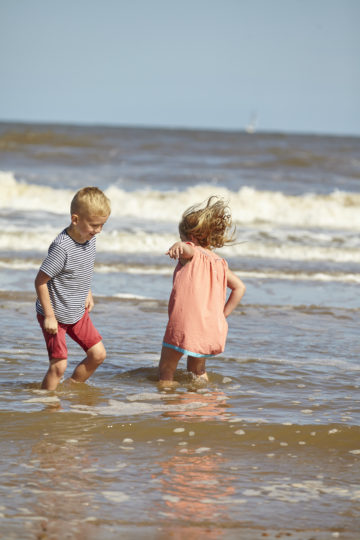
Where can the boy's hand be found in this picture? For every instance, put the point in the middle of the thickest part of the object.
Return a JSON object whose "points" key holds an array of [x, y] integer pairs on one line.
{"points": [[89, 302], [50, 325]]}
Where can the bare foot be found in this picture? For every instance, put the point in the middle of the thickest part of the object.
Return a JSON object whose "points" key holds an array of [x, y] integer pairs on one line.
{"points": [[199, 381], [202, 377], [71, 382], [164, 385]]}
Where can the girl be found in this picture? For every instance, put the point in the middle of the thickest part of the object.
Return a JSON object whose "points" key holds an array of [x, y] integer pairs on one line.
{"points": [[198, 309]]}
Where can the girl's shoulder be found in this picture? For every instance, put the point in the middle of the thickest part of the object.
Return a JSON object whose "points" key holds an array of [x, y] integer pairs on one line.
{"points": [[210, 255]]}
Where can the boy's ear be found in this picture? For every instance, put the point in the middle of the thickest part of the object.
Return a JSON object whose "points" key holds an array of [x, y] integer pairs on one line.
{"points": [[74, 219]]}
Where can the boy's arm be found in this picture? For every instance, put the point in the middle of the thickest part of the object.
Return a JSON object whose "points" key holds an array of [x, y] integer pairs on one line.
{"points": [[89, 302], [237, 292], [50, 322], [181, 250]]}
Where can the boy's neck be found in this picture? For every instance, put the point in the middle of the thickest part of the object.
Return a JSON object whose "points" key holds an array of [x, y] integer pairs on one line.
{"points": [[73, 234]]}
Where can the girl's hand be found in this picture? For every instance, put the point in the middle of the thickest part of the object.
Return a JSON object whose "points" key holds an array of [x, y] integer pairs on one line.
{"points": [[180, 250], [176, 251]]}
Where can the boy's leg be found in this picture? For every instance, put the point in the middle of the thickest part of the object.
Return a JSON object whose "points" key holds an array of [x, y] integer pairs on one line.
{"points": [[54, 373], [86, 335], [57, 351], [94, 358], [197, 366], [168, 364]]}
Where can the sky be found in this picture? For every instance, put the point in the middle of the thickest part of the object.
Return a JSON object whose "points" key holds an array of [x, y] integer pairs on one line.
{"points": [[294, 65]]}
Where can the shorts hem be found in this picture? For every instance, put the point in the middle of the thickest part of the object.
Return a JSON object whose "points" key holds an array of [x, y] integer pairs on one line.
{"points": [[93, 345]]}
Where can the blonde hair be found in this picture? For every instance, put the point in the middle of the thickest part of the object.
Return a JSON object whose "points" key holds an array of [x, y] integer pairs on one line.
{"points": [[90, 200], [211, 225]]}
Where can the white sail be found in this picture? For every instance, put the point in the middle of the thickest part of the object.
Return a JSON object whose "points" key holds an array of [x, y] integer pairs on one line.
{"points": [[251, 126]]}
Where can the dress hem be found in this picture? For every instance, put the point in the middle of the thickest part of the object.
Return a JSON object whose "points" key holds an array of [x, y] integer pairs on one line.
{"points": [[185, 351]]}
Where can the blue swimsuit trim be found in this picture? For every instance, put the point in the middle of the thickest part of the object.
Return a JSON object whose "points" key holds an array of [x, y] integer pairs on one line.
{"points": [[184, 351]]}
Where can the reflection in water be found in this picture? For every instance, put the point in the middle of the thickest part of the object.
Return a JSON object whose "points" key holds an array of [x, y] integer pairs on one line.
{"points": [[194, 489], [63, 489], [214, 405]]}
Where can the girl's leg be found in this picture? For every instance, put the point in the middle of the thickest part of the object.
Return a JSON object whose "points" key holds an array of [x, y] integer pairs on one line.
{"points": [[54, 373], [197, 366], [94, 358], [168, 364]]}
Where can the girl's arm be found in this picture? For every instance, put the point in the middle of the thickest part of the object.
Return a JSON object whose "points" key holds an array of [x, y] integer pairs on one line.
{"points": [[50, 322], [181, 250], [237, 292]]}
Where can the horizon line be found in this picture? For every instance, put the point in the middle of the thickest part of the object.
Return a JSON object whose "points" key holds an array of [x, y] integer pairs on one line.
{"points": [[174, 127]]}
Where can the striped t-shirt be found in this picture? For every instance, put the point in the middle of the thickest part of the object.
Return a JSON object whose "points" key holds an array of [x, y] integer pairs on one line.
{"points": [[70, 266]]}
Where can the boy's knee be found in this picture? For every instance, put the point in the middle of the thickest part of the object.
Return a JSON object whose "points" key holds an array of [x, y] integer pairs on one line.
{"points": [[97, 354], [101, 357], [58, 366]]}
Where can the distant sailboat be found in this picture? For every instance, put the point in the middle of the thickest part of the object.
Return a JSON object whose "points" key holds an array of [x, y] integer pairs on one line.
{"points": [[251, 126]]}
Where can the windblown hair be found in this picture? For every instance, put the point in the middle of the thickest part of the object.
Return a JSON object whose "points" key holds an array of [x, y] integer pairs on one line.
{"points": [[211, 225], [90, 200]]}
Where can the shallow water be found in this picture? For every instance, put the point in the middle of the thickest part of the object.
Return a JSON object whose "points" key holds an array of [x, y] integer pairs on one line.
{"points": [[270, 430], [270, 446]]}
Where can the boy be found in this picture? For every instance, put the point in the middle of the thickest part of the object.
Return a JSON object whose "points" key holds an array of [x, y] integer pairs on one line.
{"points": [[64, 298]]}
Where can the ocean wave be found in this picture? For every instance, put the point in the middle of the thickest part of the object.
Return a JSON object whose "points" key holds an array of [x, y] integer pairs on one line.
{"points": [[338, 210], [167, 271], [271, 274], [144, 243], [19, 195], [129, 296]]}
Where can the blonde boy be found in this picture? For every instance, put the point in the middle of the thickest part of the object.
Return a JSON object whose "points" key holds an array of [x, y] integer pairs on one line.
{"points": [[64, 297]]}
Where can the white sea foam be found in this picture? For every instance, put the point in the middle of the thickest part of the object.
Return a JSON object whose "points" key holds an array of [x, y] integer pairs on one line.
{"points": [[302, 276], [129, 296], [119, 408], [16, 239], [17, 264], [51, 399], [337, 210], [251, 274], [142, 242], [294, 253], [303, 491], [140, 270], [326, 227], [145, 396], [18, 195], [115, 496], [335, 363]]}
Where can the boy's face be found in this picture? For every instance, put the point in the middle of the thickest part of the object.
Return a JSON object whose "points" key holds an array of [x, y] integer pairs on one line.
{"points": [[85, 226]]}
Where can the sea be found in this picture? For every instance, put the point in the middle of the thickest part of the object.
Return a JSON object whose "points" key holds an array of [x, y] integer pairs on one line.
{"points": [[270, 446]]}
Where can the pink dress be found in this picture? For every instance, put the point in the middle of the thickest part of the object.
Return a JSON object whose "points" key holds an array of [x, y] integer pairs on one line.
{"points": [[197, 325]]}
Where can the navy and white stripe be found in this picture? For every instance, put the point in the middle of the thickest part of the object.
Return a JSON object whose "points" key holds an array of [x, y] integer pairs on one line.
{"points": [[70, 266]]}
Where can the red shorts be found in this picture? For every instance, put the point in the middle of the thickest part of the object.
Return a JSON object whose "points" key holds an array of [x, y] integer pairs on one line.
{"points": [[83, 332]]}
